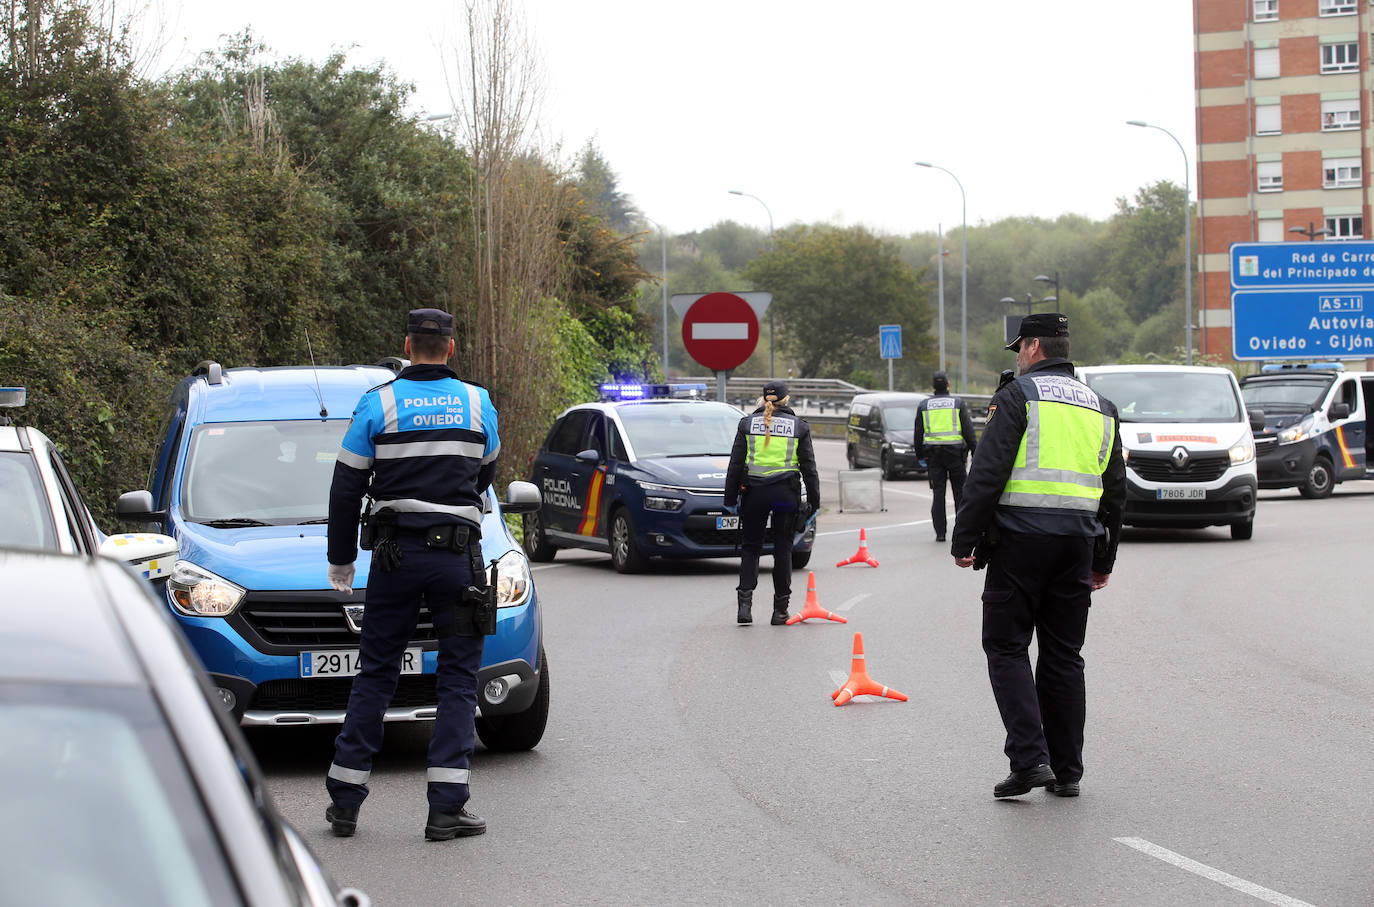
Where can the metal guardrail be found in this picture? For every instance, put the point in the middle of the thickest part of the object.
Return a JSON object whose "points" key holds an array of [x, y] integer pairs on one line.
{"points": [[823, 402]]}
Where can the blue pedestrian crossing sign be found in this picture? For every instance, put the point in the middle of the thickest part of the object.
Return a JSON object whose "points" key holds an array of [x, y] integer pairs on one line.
{"points": [[890, 341]]}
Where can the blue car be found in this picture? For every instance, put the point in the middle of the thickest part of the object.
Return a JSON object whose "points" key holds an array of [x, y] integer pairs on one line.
{"points": [[241, 481], [641, 474]]}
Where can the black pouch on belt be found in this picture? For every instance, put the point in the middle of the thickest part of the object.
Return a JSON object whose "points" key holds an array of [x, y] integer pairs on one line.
{"points": [[448, 537]]}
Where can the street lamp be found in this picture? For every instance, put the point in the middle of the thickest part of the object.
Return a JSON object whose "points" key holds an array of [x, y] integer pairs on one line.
{"points": [[770, 245], [664, 238], [1054, 280], [1311, 231], [963, 280], [1187, 237]]}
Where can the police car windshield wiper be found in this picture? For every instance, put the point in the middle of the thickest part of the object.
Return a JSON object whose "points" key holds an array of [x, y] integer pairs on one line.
{"points": [[699, 454], [231, 522], [318, 521]]}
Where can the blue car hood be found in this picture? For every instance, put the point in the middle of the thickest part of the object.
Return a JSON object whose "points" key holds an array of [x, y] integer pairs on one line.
{"points": [[690, 472], [289, 557]]}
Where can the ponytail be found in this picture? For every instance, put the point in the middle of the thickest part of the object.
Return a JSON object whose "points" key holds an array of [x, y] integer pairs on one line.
{"points": [[769, 402]]}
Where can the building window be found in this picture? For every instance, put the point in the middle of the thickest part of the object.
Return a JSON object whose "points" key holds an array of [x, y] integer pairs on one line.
{"points": [[1346, 226], [1340, 115], [1341, 173], [1269, 176], [1336, 7], [1271, 230], [1268, 119], [1266, 63], [1343, 57], [1266, 10]]}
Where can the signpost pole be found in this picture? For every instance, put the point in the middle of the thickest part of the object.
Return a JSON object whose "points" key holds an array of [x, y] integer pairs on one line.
{"points": [[721, 379]]}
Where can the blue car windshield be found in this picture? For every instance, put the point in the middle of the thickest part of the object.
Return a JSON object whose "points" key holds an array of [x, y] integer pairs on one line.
{"points": [[261, 473], [679, 429], [1150, 396]]}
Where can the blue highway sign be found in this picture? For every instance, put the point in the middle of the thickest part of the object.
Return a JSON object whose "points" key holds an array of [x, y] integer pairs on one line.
{"points": [[1301, 265], [1303, 324], [890, 341]]}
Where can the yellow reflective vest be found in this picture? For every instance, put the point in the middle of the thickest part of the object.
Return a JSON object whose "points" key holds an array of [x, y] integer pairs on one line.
{"points": [[1065, 449], [772, 450], [940, 421]]}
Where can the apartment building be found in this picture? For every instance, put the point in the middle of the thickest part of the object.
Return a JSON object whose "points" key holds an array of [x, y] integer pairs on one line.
{"points": [[1283, 101]]}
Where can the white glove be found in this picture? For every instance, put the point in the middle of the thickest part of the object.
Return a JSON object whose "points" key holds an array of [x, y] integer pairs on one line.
{"points": [[341, 577]]}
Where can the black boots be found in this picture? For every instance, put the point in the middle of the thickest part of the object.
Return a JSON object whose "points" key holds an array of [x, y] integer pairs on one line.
{"points": [[746, 606], [780, 603], [440, 826], [343, 820]]}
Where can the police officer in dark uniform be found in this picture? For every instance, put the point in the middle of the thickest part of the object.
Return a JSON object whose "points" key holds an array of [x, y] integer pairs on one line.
{"points": [[423, 448], [1042, 508], [943, 436], [771, 459]]}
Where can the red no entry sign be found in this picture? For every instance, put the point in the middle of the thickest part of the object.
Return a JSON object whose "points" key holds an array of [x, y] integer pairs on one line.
{"points": [[720, 331]]}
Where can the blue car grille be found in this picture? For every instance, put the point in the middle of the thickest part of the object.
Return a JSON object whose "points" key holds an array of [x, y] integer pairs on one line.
{"points": [[329, 693], [285, 623], [1158, 467]]}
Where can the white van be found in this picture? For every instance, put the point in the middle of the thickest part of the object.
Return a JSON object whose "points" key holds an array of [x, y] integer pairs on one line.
{"points": [[1187, 440]]}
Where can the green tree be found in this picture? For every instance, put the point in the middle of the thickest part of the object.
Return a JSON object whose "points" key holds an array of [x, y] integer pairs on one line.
{"points": [[832, 287], [1143, 249], [600, 186]]}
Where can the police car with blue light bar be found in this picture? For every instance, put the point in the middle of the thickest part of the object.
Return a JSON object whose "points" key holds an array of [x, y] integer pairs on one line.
{"points": [[640, 474]]}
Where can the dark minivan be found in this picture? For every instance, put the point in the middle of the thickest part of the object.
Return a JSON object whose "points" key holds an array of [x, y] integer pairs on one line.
{"points": [[880, 431]]}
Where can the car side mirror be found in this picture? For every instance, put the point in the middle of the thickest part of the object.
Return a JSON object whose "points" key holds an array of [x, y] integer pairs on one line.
{"points": [[1257, 420], [522, 497], [138, 507], [148, 553], [588, 456], [1338, 411]]}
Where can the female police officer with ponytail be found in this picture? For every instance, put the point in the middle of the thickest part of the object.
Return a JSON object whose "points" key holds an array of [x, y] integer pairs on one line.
{"points": [[771, 459]]}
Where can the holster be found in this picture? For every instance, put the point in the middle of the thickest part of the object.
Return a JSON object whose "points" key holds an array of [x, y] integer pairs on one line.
{"points": [[474, 610], [367, 529]]}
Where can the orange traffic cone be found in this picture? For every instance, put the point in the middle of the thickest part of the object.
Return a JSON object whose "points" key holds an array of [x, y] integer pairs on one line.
{"points": [[859, 683], [862, 557], [813, 608]]}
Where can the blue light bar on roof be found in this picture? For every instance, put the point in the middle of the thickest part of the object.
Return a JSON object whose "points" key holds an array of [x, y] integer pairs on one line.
{"points": [[622, 391], [1303, 366], [11, 397]]}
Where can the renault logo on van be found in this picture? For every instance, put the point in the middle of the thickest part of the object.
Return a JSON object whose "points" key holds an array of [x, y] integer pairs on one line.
{"points": [[1180, 457]]}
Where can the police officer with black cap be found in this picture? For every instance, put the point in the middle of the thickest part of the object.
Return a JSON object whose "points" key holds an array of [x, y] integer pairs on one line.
{"points": [[1042, 508], [423, 449], [771, 459], [943, 437]]}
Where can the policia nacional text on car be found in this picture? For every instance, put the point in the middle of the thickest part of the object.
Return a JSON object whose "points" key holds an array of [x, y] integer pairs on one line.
{"points": [[943, 437], [771, 458], [1042, 506], [428, 443]]}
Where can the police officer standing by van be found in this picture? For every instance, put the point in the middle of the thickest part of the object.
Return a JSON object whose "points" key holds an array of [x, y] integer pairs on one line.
{"points": [[771, 460], [423, 448], [1042, 508], [943, 437]]}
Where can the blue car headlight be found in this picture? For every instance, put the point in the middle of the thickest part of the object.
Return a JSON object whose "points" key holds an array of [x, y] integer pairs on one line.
{"points": [[196, 592], [1297, 432], [513, 580], [654, 499]]}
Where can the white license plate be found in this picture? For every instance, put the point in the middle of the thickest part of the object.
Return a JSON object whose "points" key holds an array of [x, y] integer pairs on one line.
{"points": [[344, 662], [1180, 494], [727, 522]]}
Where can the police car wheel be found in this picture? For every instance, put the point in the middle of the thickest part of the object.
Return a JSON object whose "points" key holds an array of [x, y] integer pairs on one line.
{"points": [[625, 554], [1320, 481], [800, 559], [523, 730], [533, 540], [1242, 531]]}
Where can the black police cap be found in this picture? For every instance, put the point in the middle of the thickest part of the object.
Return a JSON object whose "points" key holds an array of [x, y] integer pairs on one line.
{"points": [[775, 389], [429, 321], [1041, 324]]}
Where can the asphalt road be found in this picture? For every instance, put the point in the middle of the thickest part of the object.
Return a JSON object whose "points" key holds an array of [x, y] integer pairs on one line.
{"points": [[1229, 757]]}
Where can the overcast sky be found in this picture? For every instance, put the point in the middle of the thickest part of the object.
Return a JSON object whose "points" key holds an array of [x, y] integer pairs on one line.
{"points": [[820, 109]]}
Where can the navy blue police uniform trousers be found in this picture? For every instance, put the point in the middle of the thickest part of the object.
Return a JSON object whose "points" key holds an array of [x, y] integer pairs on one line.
{"points": [[944, 462], [781, 500], [1039, 584], [424, 576]]}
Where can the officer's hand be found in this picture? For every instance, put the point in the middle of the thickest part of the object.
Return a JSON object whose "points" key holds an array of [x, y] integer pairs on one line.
{"points": [[732, 509], [964, 561], [1100, 580], [341, 577]]}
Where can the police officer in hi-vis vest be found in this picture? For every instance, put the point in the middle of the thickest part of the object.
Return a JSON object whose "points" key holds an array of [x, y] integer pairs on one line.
{"points": [[1042, 508], [943, 436], [423, 447], [771, 459]]}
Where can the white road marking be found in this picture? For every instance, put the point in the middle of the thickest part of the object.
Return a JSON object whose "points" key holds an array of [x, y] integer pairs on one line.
{"points": [[851, 602], [1207, 872], [876, 528]]}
